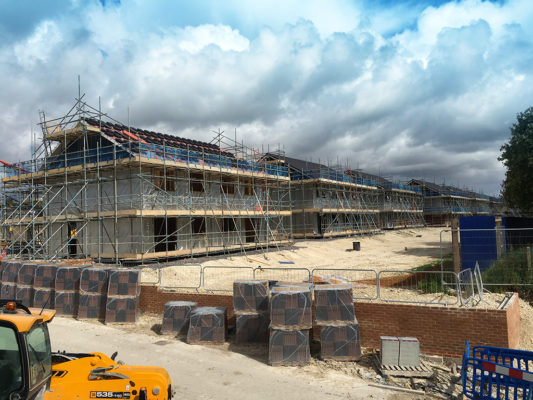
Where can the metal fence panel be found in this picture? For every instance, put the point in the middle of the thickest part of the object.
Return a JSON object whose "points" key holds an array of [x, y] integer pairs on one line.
{"points": [[479, 282], [364, 281], [283, 274], [180, 277], [393, 286], [220, 279], [466, 286]]}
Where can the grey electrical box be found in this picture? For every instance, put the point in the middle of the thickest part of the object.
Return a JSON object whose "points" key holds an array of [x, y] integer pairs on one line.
{"points": [[390, 350], [409, 352]]}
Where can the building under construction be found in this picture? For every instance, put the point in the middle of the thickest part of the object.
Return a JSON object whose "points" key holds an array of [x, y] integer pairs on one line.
{"points": [[402, 206], [329, 201], [442, 203], [96, 188], [100, 189]]}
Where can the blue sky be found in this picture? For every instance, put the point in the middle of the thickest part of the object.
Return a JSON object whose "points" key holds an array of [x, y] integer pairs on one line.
{"points": [[409, 89]]}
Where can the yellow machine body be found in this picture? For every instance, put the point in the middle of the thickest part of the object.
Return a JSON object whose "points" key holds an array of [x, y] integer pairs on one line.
{"points": [[37, 373], [96, 376]]}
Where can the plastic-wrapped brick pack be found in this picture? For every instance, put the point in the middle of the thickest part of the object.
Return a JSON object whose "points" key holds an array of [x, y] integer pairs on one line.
{"points": [[43, 298], [94, 280], [67, 283], [2, 265], [45, 276], [340, 342], [66, 303], [92, 306], [289, 347], [252, 328], [8, 289], [250, 296], [123, 282], [290, 308], [24, 295], [334, 304], [176, 317], [304, 285], [25, 274], [24, 292], [44, 286], [122, 294], [207, 326], [68, 278], [121, 309], [10, 272]]}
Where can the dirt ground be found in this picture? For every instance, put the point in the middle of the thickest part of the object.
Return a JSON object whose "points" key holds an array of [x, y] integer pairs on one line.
{"points": [[239, 371], [227, 372], [399, 249], [389, 250]]}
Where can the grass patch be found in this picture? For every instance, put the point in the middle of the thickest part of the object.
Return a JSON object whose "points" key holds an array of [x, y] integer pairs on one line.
{"points": [[447, 265], [511, 270], [432, 283]]}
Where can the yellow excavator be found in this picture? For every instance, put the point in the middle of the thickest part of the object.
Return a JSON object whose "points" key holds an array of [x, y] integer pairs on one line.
{"points": [[30, 371]]}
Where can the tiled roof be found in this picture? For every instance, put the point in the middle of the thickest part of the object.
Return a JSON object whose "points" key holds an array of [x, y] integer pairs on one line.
{"points": [[123, 134], [296, 164], [444, 190]]}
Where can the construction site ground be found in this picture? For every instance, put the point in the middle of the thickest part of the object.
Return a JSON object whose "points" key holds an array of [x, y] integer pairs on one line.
{"points": [[240, 371], [388, 250], [202, 372]]}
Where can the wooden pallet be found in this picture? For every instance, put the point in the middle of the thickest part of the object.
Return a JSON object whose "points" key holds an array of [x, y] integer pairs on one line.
{"points": [[421, 371]]}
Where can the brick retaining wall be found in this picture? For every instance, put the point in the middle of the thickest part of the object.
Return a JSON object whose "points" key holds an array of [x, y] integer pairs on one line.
{"points": [[440, 330]]}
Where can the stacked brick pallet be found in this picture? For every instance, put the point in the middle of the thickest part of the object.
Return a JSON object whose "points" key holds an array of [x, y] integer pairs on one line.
{"points": [[24, 293], [67, 285], [44, 286], [207, 326], [250, 306], [339, 329], [176, 317], [93, 293], [86, 292], [122, 296], [290, 324], [9, 279]]}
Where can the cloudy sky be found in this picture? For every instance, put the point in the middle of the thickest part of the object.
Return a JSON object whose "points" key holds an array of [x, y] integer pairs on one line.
{"points": [[401, 88]]}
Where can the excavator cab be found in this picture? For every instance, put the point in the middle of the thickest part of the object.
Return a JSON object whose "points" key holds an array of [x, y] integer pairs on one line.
{"points": [[25, 352]]}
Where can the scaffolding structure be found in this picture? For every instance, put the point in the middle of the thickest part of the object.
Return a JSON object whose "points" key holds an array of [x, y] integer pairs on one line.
{"points": [[329, 201], [442, 203], [402, 206], [96, 188]]}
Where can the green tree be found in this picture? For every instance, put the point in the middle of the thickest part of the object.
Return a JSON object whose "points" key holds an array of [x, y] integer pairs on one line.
{"points": [[517, 156]]}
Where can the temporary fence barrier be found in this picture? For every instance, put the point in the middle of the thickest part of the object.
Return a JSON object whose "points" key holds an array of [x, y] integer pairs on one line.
{"points": [[478, 279], [283, 274], [430, 282], [365, 282], [181, 277], [497, 373], [220, 279], [466, 286], [368, 284]]}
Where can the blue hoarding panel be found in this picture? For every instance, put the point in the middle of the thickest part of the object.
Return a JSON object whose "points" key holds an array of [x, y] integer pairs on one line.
{"points": [[478, 245]]}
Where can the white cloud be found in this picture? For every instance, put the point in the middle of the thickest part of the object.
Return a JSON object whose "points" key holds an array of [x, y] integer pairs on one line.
{"points": [[194, 39], [327, 82], [38, 47]]}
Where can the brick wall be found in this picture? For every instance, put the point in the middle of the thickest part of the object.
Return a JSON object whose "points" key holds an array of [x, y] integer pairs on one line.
{"points": [[152, 300], [513, 322], [440, 330]]}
